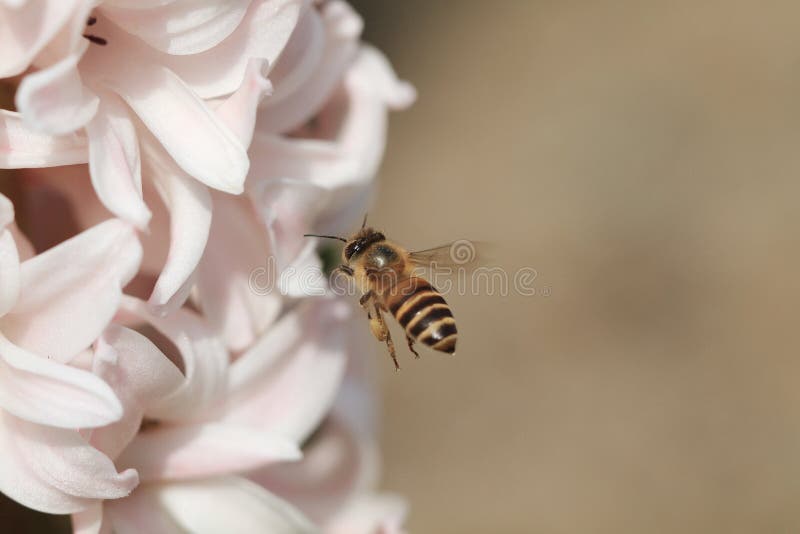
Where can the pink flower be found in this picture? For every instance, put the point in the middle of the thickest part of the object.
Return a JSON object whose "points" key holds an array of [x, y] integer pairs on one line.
{"points": [[165, 65], [52, 307], [219, 419], [196, 401], [334, 484]]}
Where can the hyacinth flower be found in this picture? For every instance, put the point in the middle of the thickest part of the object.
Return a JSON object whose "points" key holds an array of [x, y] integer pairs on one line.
{"points": [[164, 152], [53, 307]]}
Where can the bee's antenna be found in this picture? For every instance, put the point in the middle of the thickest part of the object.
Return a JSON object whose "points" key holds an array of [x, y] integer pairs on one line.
{"points": [[364, 223], [326, 236]]}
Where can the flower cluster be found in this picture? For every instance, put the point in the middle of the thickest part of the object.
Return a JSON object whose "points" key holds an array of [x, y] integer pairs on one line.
{"points": [[163, 149]]}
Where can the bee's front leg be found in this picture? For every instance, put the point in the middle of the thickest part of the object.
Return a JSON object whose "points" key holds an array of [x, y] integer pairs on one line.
{"points": [[366, 300], [344, 269]]}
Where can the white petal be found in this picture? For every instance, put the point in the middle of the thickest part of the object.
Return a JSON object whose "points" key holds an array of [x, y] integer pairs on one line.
{"points": [[9, 259], [230, 504], [304, 277], [25, 28], [189, 205], [182, 27], [305, 79], [114, 162], [55, 470], [140, 375], [337, 466], [347, 149], [184, 125], [24, 246], [70, 292], [22, 147], [287, 208], [141, 513], [238, 111], [373, 71], [369, 514], [262, 34], [204, 450], [40, 390], [138, 4], [54, 100], [233, 277], [91, 521], [205, 363], [298, 388]]}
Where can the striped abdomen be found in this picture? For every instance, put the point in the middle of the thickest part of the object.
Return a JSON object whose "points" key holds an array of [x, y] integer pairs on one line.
{"points": [[423, 313]]}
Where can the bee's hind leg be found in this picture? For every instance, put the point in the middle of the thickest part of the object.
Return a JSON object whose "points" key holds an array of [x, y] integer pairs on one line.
{"points": [[381, 332], [410, 342]]}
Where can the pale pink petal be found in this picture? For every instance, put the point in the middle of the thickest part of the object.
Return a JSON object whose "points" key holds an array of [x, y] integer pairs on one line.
{"points": [[336, 466], [300, 57], [141, 513], [287, 208], [139, 373], [9, 258], [55, 100], [26, 28], [40, 390], [230, 504], [114, 162], [189, 205], [22, 147], [298, 388], [24, 246], [349, 148], [182, 27], [91, 521], [370, 514], [262, 34], [203, 450], [205, 363], [138, 4], [9, 272], [55, 470], [238, 111], [6, 212], [304, 277], [346, 147], [233, 278], [250, 369], [70, 292], [183, 124], [316, 57], [372, 71]]}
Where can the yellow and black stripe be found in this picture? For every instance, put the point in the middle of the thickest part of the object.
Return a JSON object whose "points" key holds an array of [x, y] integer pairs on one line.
{"points": [[424, 314]]}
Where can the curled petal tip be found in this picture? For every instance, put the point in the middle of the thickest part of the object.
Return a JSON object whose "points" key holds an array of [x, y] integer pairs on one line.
{"points": [[402, 96]]}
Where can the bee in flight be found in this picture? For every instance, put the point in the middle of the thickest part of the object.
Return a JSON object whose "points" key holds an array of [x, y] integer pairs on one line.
{"points": [[385, 274]]}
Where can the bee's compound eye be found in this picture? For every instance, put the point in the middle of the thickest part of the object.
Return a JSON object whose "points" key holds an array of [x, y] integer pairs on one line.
{"points": [[350, 249]]}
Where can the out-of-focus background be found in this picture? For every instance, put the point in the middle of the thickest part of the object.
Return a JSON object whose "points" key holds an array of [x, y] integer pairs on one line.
{"points": [[644, 158]]}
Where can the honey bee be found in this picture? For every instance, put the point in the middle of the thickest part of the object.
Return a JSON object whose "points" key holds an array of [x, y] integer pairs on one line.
{"points": [[385, 274]]}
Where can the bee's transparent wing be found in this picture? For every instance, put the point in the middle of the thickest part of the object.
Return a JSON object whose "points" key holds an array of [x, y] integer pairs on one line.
{"points": [[460, 253]]}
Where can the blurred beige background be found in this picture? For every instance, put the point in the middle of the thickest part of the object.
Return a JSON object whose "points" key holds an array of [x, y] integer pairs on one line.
{"points": [[644, 158]]}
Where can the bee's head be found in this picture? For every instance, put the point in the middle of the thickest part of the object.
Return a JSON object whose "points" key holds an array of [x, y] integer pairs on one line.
{"points": [[360, 242]]}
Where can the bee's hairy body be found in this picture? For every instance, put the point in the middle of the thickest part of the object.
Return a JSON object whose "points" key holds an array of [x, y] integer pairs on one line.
{"points": [[384, 273]]}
